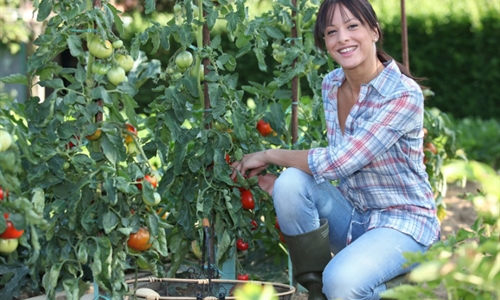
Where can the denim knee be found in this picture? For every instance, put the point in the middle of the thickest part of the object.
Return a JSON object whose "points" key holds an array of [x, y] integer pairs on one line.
{"points": [[347, 285], [295, 210]]}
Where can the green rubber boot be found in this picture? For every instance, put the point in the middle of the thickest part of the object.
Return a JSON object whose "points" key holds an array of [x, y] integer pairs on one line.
{"points": [[310, 253]]}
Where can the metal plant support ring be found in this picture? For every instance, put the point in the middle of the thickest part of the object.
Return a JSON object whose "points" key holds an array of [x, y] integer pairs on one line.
{"points": [[197, 288]]}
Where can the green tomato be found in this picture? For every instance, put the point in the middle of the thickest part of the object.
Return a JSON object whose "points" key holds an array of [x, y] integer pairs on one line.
{"points": [[100, 48], [184, 59], [8, 246], [98, 67], [177, 9], [202, 72], [176, 76], [125, 61], [117, 44], [279, 54], [5, 140], [116, 75], [156, 199]]}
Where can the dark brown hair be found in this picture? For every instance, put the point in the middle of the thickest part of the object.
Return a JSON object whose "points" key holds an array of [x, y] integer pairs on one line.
{"points": [[364, 12]]}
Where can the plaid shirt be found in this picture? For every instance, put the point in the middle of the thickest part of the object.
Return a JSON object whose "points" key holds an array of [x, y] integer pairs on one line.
{"points": [[379, 160]]}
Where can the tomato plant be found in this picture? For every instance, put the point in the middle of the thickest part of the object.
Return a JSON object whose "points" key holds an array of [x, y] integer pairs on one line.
{"points": [[11, 232], [140, 240], [264, 128], [241, 244], [8, 246], [247, 201]]}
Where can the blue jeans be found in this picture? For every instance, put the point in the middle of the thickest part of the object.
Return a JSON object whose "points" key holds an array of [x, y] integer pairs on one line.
{"points": [[359, 269]]}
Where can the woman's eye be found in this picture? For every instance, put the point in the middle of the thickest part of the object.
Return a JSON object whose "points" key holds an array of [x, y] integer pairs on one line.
{"points": [[352, 26], [330, 32]]}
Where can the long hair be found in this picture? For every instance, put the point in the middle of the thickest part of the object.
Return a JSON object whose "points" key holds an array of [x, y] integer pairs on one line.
{"points": [[364, 12]]}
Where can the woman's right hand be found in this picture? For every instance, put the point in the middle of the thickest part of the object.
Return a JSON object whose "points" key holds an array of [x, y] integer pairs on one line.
{"points": [[253, 163]]}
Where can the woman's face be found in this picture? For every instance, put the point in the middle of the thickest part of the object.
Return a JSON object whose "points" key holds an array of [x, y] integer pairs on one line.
{"points": [[350, 43]]}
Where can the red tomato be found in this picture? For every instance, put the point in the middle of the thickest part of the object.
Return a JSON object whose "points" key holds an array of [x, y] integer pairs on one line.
{"points": [[264, 128], [241, 244], [130, 128], [254, 224], [70, 145], [247, 201], [228, 159], [11, 232], [243, 277], [140, 240], [277, 225], [151, 179], [3, 193]]}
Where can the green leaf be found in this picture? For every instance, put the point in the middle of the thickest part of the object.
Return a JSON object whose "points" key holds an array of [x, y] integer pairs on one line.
{"points": [[11, 275], [150, 6], [74, 45], [274, 32], [49, 280], [110, 9], [224, 243], [112, 147], [242, 41], [109, 221], [44, 10], [15, 79], [54, 83], [259, 53], [211, 18], [129, 105]]}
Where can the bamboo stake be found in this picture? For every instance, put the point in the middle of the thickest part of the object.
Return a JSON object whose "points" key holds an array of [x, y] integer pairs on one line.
{"points": [[404, 36]]}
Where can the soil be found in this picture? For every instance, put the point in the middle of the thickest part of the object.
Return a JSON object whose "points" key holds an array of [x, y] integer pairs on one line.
{"points": [[460, 213]]}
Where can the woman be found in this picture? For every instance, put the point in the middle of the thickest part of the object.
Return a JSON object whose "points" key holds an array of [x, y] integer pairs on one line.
{"points": [[383, 205]]}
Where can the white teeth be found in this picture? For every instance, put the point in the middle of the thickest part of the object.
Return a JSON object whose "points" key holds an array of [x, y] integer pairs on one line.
{"points": [[346, 50]]}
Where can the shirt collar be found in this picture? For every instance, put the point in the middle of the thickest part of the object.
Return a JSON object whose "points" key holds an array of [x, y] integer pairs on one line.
{"points": [[384, 83]]}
